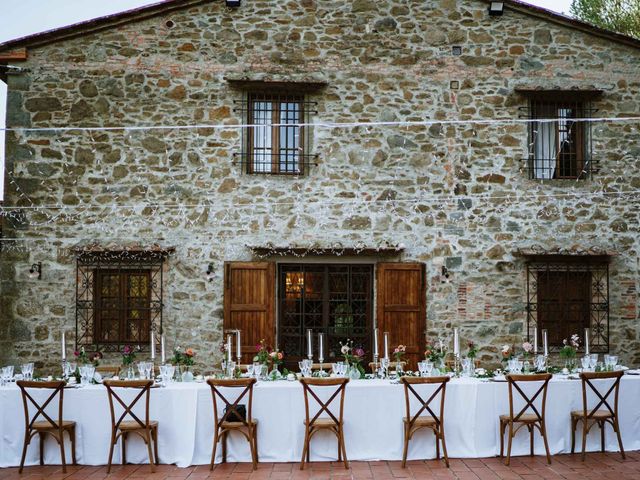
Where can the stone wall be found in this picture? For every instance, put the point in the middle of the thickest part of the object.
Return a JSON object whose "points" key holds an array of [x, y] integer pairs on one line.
{"points": [[424, 187]]}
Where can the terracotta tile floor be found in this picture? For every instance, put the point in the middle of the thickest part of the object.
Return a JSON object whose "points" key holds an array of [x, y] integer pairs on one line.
{"points": [[597, 466]]}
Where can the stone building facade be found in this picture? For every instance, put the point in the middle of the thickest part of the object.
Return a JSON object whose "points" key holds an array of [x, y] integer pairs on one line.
{"points": [[444, 176]]}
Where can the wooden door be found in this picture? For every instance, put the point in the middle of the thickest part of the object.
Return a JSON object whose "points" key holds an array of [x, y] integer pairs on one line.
{"points": [[401, 308], [249, 297]]}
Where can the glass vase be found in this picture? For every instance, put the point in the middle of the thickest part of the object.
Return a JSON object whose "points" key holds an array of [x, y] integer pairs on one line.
{"points": [[570, 364], [130, 372], [187, 376]]}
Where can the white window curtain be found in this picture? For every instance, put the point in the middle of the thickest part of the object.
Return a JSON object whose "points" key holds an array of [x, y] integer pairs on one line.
{"points": [[546, 148], [262, 141]]}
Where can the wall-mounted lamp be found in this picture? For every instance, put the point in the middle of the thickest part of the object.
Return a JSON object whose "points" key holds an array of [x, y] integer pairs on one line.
{"points": [[209, 272], [233, 3], [36, 271], [496, 9], [445, 272]]}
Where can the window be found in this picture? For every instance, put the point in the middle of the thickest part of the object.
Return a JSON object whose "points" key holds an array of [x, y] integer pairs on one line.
{"points": [[118, 298], [566, 295], [559, 145], [276, 142]]}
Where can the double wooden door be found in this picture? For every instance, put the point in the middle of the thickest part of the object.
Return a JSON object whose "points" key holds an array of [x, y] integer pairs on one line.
{"points": [[334, 298]]}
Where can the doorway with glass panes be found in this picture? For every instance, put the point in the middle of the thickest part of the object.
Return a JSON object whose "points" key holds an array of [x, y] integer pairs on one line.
{"points": [[335, 299]]}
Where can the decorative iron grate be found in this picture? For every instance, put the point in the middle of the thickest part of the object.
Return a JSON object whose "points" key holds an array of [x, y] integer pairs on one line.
{"points": [[565, 297], [275, 143], [561, 148], [118, 299]]}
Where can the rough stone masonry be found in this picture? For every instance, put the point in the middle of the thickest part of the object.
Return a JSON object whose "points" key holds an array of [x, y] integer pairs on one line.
{"points": [[425, 187]]}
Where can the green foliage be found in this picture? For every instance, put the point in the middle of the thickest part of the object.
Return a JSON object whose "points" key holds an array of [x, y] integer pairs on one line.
{"points": [[622, 16]]}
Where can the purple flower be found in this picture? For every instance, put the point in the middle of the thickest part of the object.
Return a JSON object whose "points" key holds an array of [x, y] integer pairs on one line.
{"points": [[127, 350], [358, 352]]}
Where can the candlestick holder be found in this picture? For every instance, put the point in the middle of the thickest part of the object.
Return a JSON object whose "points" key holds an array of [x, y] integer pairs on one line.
{"points": [[65, 369], [375, 365], [321, 371], [239, 363], [456, 365]]}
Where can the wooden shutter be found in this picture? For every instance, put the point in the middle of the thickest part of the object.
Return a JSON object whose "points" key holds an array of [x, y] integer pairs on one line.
{"points": [[249, 298], [401, 307]]}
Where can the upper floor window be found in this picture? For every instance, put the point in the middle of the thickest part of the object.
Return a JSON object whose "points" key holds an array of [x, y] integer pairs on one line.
{"points": [[277, 138], [560, 142], [118, 298]]}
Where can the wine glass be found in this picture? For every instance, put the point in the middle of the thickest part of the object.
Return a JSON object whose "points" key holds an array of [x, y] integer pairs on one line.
{"points": [[142, 366], [593, 361], [586, 362], [428, 368], [466, 364], [148, 371], [27, 371], [540, 363]]}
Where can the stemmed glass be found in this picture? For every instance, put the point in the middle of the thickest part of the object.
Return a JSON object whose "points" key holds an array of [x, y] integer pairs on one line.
{"points": [[6, 374], [428, 368], [142, 367], [384, 362], [540, 363], [586, 362], [27, 371], [593, 361], [466, 367], [148, 371]]}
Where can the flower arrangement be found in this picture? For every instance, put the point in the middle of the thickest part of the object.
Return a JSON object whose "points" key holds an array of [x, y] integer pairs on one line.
{"points": [[508, 353], [81, 356], [183, 357], [435, 353], [399, 351], [267, 355], [129, 354], [527, 349], [570, 347], [353, 355], [473, 350]]}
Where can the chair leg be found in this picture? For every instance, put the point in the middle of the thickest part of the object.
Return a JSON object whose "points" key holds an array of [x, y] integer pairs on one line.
{"points": [[305, 447], [574, 425], [437, 445], [111, 447], [502, 428], [509, 444], [543, 431], [72, 436], [123, 439], [406, 446], [444, 449], [584, 439], [339, 445], [60, 438], [154, 436], [531, 440], [27, 439], [616, 427], [224, 435], [213, 450], [255, 441], [41, 437], [344, 449], [147, 440]]}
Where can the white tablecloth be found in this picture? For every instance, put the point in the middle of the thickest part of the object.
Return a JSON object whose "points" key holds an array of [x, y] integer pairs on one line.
{"points": [[373, 423]]}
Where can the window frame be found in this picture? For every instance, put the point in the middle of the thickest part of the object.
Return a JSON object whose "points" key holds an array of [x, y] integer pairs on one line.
{"points": [[90, 266], [598, 315]]}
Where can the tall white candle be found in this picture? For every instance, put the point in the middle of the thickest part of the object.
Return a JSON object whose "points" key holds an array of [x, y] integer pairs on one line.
{"points": [[309, 343], [456, 342], [586, 341], [162, 352], [228, 348], [545, 344], [535, 340], [238, 345], [386, 345], [153, 345], [321, 347], [64, 347], [375, 342]]}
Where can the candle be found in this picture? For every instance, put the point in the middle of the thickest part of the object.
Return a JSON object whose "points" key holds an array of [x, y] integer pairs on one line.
{"points": [[535, 340], [153, 345], [386, 345], [545, 344], [320, 347], [375, 342], [162, 353], [456, 342], [238, 347], [228, 348], [309, 343], [64, 347], [586, 341]]}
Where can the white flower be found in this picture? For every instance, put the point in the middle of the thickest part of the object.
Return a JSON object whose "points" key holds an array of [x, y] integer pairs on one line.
{"points": [[345, 349], [527, 347], [505, 348]]}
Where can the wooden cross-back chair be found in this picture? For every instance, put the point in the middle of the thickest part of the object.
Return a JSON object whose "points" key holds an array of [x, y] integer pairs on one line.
{"points": [[416, 421], [523, 419], [596, 416], [232, 419], [315, 423], [109, 370], [121, 428], [46, 426]]}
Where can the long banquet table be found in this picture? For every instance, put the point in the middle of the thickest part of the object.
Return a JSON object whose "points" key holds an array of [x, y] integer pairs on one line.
{"points": [[373, 423]]}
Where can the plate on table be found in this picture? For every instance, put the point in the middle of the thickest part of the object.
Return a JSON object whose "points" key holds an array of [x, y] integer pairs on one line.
{"points": [[632, 372], [499, 378]]}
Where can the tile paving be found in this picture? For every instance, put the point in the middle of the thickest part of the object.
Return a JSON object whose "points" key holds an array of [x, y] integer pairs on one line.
{"points": [[570, 467]]}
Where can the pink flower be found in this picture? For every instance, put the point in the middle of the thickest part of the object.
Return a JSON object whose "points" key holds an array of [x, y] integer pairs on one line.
{"points": [[527, 347]]}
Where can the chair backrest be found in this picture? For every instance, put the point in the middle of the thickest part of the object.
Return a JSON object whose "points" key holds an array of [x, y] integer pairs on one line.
{"points": [[320, 366], [308, 385], [127, 407], [108, 370], [57, 388], [231, 408], [440, 390], [391, 365], [587, 377], [514, 384]]}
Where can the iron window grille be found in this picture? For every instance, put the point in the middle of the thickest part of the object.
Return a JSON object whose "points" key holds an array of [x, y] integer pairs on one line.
{"points": [[562, 146], [568, 295], [274, 142], [118, 299]]}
